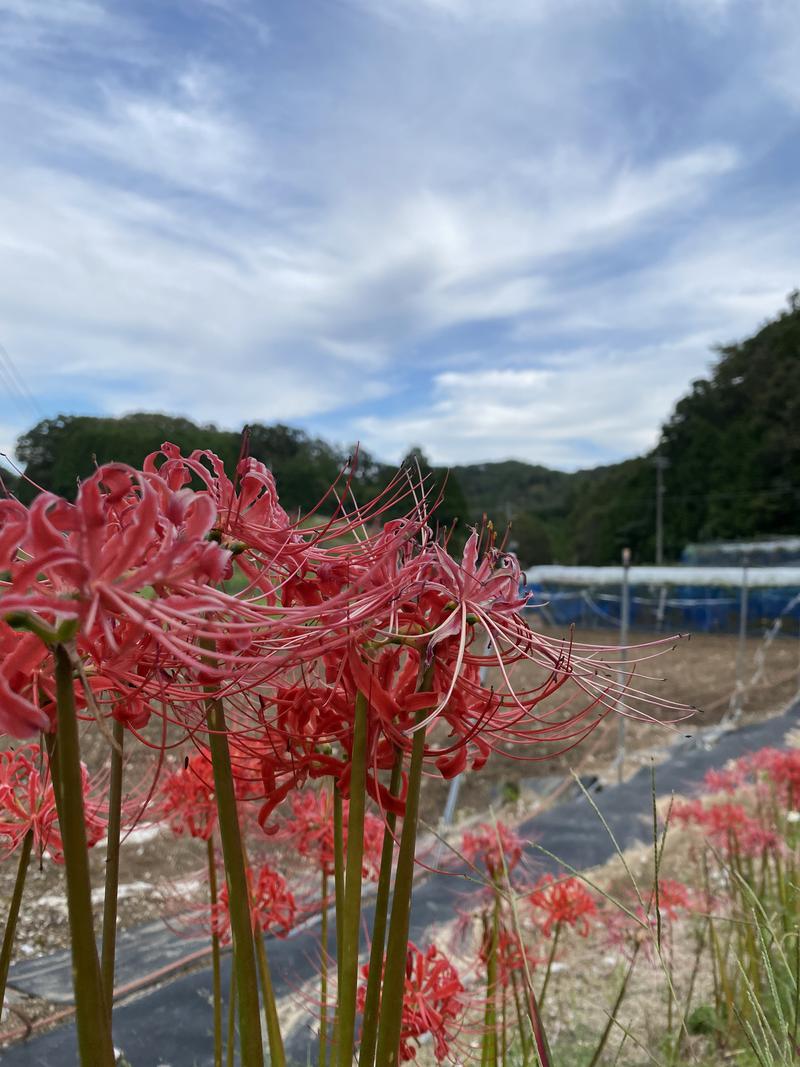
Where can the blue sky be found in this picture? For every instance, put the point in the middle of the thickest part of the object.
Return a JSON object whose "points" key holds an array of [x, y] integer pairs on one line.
{"points": [[493, 228]]}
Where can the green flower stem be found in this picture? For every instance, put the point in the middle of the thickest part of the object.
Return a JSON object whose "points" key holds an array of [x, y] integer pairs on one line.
{"points": [[13, 913], [489, 1057], [351, 922], [543, 1055], [338, 869], [112, 866], [231, 1019], [549, 969], [601, 1044], [338, 886], [369, 1027], [521, 1021], [94, 1034], [323, 980], [277, 1056], [391, 1015], [215, 954], [244, 957]]}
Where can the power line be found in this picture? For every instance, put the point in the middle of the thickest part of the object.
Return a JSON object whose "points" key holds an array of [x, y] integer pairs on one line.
{"points": [[15, 384]]}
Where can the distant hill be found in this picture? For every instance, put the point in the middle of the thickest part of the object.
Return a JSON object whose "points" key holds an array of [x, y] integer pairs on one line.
{"points": [[732, 445]]}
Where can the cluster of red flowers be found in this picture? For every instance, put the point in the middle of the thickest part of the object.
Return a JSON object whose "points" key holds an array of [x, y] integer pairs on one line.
{"points": [[187, 801], [729, 827], [28, 804], [496, 847], [133, 573], [349, 643], [562, 902], [773, 769], [272, 904], [308, 827], [433, 1004]]}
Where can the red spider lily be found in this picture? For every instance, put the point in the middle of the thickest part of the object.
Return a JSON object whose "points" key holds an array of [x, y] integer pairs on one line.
{"points": [[309, 830], [777, 769], [673, 898], [780, 769], [91, 561], [513, 957], [125, 532], [564, 901], [730, 828], [25, 681], [728, 779], [497, 847], [272, 905], [27, 802], [433, 1002], [187, 800]]}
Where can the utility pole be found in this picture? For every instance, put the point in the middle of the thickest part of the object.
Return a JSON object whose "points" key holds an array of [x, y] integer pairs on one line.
{"points": [[624, 626], [661, 463]]}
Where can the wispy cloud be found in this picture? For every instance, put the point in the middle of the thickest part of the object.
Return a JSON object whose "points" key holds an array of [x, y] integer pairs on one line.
{"points": [[489, 229]]}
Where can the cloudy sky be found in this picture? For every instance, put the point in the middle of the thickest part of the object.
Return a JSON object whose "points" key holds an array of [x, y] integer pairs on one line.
{"points": [[493, 228]]}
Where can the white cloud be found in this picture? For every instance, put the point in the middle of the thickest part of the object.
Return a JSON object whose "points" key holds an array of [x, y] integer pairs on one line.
{"points": [[318, 230], [552, 415]]}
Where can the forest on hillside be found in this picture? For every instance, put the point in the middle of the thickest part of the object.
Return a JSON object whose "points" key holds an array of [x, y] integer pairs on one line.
{"points": [[731, 446]]}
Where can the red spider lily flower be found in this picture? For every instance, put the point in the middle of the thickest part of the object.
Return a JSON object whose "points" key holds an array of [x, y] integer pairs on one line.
{"points": [[248, 513], [91, 561], [187, 800], [433, 1002], [730, 828], [272, 905], [673, 898], [496, 847], [563, 901], [309, 830], [781, 771], [25, 678], [27, 802], [728, 779]]}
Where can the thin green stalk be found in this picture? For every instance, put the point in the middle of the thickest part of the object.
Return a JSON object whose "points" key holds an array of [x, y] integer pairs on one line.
{"points": [[108, 955], [323, 981], [338, 888], [369, 1026], [338, 869], [503, 1031], [796, 977], [700, 943], [277, 1056], [523, 1027], [13, 913], [391, 1015], [91, 1020], [542, 1045], [490, 1011], [351, 924], [231, 1019], [549, 969], [598, 1052], [215, 954], [244, 957]]}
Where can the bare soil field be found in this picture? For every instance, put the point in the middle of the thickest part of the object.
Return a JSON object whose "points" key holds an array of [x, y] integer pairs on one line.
{"points": [[699, 671]]}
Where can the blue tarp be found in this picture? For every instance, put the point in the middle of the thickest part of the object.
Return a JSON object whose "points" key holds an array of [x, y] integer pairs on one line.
{"points": [[678, 608]]}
